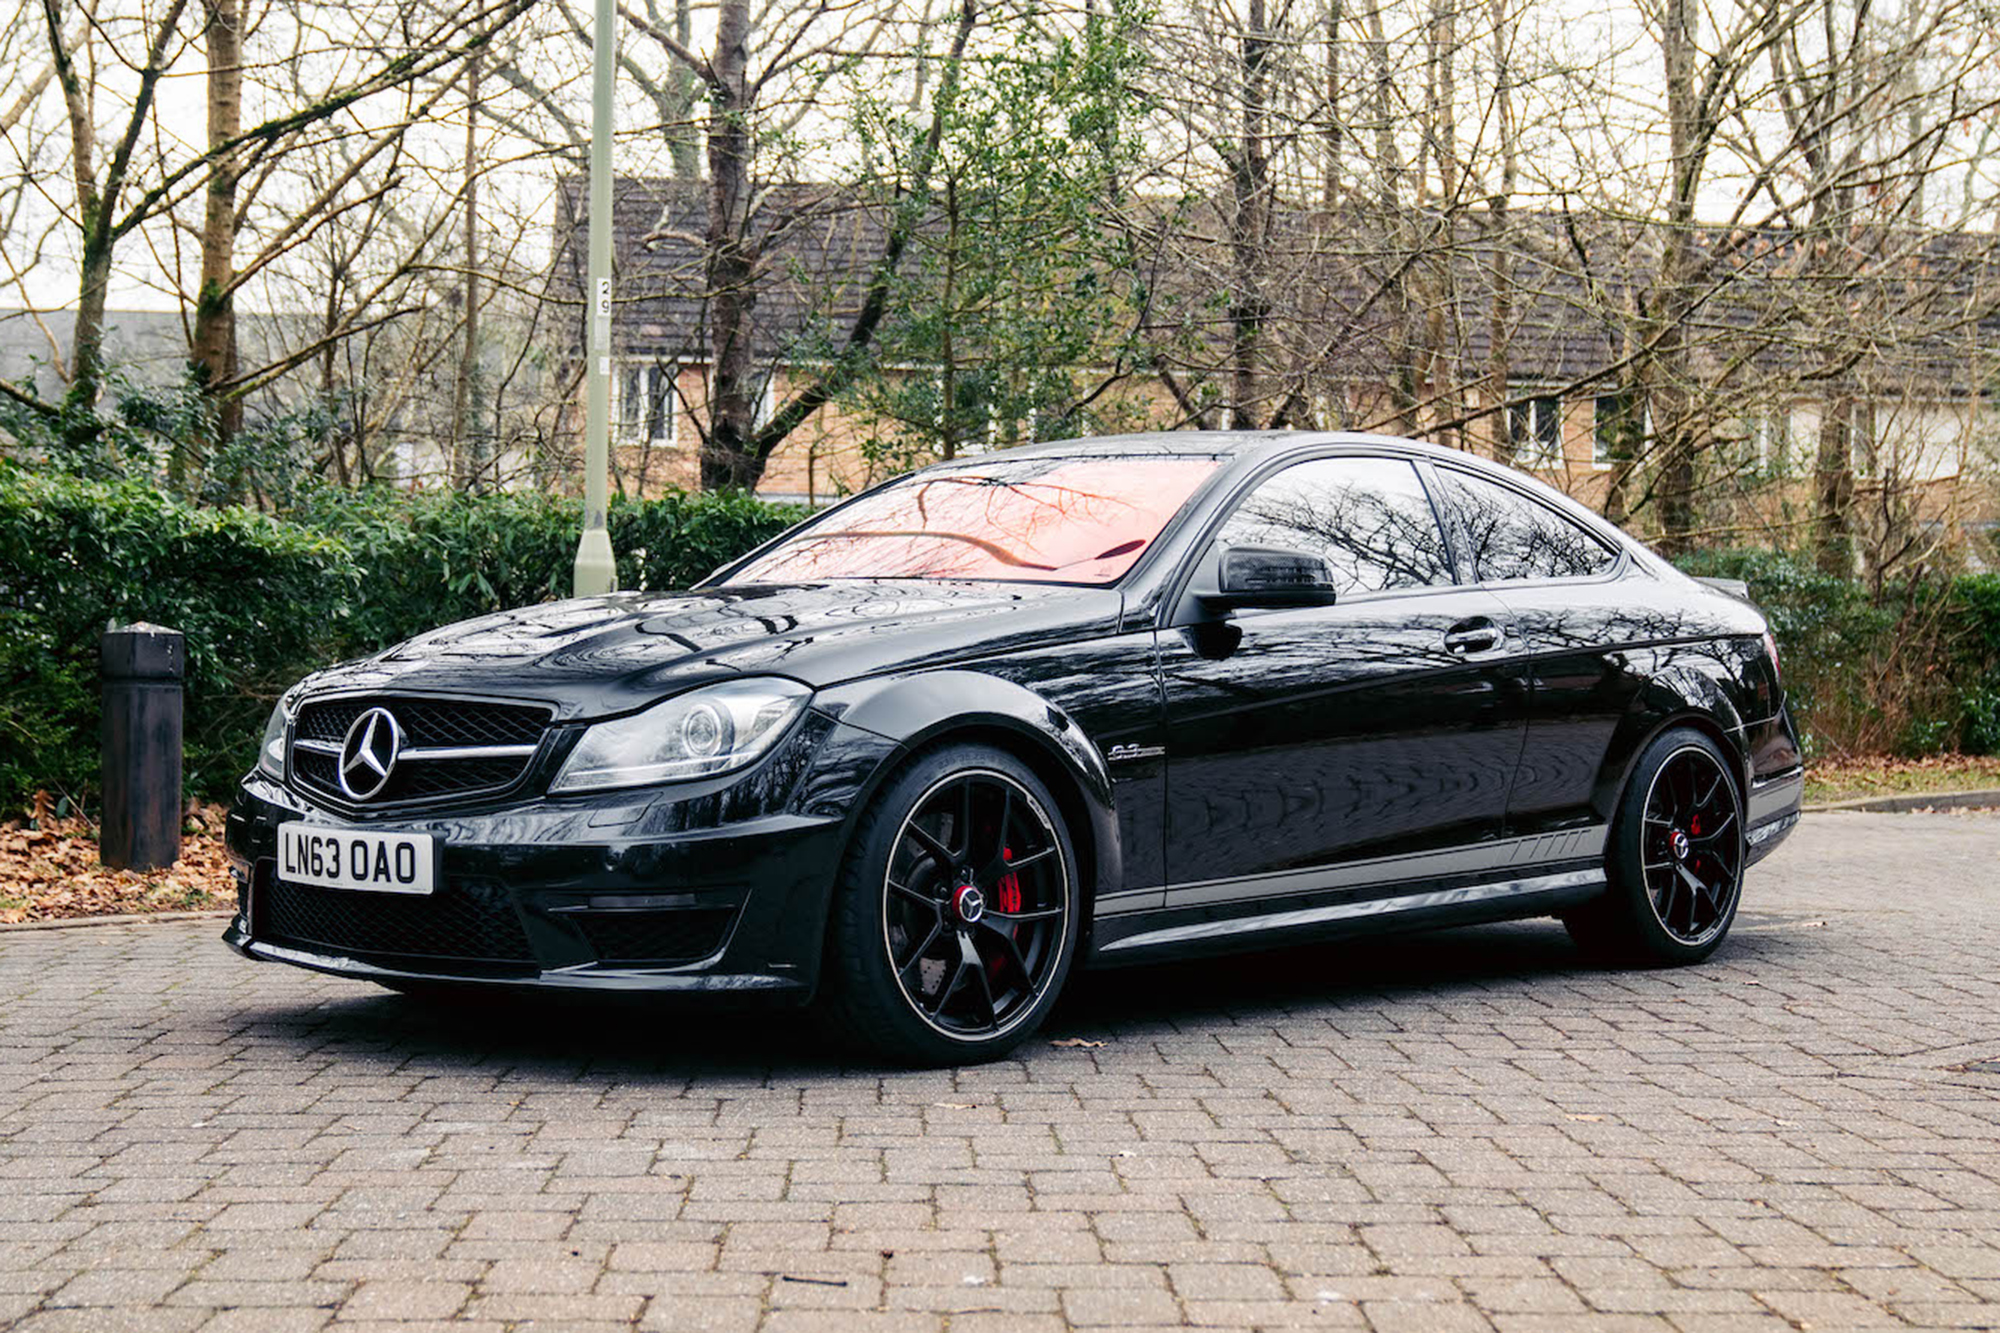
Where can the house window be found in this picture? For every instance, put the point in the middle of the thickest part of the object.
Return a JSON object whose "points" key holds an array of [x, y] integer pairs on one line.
{"points": [[1771, 437], [645, 407], [1534, 430], [767, 402], [1615, 429], [1865, 440]]}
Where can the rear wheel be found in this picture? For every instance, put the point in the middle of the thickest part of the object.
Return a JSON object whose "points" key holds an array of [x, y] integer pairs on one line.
{"points": [[955, 920], [1675, 863]]}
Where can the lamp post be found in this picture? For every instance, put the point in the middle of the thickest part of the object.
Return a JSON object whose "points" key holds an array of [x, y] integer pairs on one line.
{"points": [[596, 570]]}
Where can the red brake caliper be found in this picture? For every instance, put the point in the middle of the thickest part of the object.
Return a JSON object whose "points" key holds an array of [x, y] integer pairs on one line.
{"points": [[1008, 890], [1010, 885]]}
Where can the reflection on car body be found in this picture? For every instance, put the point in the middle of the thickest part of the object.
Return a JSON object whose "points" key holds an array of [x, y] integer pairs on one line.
{"points": [[1081, 704]]}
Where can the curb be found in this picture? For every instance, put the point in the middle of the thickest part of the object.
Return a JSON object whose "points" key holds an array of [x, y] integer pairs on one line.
{"points": [[127, 919], [1933, 800]]}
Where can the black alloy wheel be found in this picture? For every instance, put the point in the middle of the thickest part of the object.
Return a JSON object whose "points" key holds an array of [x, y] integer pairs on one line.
{"points": [[957, 917], [1692, 846], [1675, 860]]}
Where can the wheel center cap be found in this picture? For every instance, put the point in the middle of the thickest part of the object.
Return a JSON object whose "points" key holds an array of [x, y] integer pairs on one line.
{"points": [[1678, 844], [968, 904]]}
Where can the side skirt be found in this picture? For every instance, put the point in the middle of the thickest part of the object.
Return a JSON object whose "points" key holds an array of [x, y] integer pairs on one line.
{"points": [[1152, 935]]}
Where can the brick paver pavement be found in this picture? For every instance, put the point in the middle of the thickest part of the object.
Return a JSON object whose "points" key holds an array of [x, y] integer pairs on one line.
{"points": [[1462, 1131]]}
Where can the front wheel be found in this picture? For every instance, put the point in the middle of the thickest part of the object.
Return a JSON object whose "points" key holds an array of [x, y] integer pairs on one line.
{"points": [[1675, 862], [955, 919]]}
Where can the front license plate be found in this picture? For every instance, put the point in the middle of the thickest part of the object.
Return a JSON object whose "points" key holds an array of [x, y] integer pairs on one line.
{"points": [[337, 858]]}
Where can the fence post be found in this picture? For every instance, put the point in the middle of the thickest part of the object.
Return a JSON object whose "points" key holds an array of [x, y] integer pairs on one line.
{"points": [[143, 666]]}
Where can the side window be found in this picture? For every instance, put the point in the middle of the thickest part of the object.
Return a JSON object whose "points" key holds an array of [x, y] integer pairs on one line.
{"points": [[1512, 537], [1368, 517]]}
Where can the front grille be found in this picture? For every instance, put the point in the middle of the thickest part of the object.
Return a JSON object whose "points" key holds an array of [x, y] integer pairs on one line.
{"points": [[467, 921], [427, 724], [681, 936]]}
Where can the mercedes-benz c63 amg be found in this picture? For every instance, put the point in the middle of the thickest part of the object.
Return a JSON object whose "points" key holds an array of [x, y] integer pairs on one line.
{"points": [[936, 748]]}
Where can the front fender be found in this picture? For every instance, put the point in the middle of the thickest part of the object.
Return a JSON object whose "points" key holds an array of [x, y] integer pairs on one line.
{"points": [[915, 710]]}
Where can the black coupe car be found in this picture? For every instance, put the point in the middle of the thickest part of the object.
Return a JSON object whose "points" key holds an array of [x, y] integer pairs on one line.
{"points": [[1081, 704]]}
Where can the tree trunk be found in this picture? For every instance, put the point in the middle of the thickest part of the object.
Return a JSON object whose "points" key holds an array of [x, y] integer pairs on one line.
{"points": [[86, 358], [1500, 327], [1250, 231], [1833, 490], [213, 352], [728, 460], [468, 439], [1668, 369], [1330, 182], [682, 142]]}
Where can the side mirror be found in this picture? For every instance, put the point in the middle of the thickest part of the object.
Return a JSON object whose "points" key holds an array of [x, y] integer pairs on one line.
{"points": [[1270, 576]]}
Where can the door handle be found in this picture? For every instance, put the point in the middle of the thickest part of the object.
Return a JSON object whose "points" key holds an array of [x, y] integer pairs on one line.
{"points": [[1475, 638]]}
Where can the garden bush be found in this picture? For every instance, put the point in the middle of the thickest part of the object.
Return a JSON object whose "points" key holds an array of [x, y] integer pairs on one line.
{"points": [[258, 599], [265, 599], [1910, 669]]}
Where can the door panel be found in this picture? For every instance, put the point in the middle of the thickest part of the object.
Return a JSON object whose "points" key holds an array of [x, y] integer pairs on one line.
{"points": [[1571, 621], [1597, 650], [1310, 737]]}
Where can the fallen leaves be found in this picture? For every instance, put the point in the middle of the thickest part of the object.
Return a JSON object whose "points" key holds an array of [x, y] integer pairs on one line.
{"points": [[1076, 1041], [49, 870], [1841, 780]]}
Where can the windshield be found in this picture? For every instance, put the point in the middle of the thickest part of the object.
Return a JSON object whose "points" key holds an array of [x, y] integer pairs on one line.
{"points": [[1038, 519]]}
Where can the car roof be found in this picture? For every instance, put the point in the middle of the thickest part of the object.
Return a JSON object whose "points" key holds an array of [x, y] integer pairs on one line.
{"points": [[1204, 443]]}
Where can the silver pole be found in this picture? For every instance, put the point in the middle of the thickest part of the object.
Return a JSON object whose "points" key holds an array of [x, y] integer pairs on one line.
{"points": [[596, 570]]}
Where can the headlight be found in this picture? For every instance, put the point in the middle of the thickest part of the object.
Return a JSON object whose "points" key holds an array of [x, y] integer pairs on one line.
{"points": [[698, 734], [271, 754]]}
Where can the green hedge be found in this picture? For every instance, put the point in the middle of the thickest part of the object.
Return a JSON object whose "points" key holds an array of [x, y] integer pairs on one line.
{"points": [[433, 558], [1911, 668], [256, 597], [263, 600]]}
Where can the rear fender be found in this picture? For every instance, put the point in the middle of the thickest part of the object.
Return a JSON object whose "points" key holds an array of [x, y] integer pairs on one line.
{"points": [[1680, 691]]}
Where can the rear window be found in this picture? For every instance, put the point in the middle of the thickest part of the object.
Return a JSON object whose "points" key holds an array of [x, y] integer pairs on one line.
{"points": [[1037, 520]]}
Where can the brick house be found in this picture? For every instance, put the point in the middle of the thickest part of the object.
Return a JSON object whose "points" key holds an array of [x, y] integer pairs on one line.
{"points": [[1918, 397]]}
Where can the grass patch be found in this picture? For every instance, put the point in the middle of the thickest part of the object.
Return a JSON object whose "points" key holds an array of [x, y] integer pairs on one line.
{"points": [[1855, 778]]}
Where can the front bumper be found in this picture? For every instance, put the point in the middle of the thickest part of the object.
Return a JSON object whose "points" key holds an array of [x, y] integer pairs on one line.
{"points": [[611, 893]]}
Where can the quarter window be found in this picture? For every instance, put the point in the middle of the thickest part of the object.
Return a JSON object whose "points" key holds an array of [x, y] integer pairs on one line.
{"points": [[1513, 537], [1369, 518]]}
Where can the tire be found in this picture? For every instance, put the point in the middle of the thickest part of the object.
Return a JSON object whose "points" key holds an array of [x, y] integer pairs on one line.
{"points": [[1674, 865], [956, 915]]}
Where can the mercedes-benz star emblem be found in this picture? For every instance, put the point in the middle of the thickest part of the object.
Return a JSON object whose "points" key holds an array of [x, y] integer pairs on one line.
{"points": [[368, 755]]}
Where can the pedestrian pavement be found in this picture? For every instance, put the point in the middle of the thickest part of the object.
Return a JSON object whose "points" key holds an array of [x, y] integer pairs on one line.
{"points": [[1468, 1130]]}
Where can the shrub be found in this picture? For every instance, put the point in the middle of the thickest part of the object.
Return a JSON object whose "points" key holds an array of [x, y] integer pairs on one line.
{"points": [[263, 600], [259, 600], [1911, 669], [1979, 596]]}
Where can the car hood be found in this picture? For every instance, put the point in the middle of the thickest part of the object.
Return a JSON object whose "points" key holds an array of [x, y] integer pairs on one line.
{"points": [[595, 656]]}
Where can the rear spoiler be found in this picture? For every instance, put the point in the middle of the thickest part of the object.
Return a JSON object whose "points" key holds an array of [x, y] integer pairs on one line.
{"points": [[1736, 588]]}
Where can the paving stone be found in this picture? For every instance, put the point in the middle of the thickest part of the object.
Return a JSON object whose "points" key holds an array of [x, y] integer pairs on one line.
{"points": [[1473, 1130]]}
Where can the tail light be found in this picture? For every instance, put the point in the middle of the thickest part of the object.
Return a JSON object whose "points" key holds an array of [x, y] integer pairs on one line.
{"points": [[1771, 648]]}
